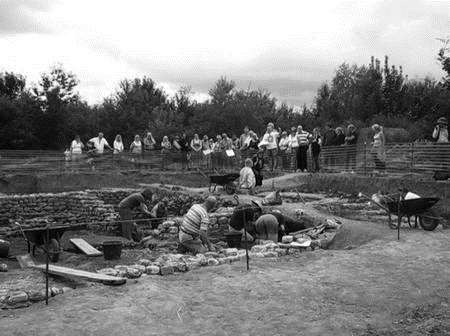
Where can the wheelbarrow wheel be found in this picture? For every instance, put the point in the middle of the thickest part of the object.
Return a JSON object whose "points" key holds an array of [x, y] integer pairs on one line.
{"points": [[54, 250], [428, 221], [230, 188]]}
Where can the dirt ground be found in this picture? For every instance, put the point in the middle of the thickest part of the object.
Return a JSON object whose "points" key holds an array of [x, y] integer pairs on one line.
{"points": [[370, 284]]}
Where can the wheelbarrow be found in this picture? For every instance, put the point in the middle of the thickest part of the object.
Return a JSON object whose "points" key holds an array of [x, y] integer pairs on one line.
{"points": [[420, 208], [225, 181], [47, 238]]}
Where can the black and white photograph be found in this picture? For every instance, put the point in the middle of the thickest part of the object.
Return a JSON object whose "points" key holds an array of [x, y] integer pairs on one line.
{"points": [[224, 168]]}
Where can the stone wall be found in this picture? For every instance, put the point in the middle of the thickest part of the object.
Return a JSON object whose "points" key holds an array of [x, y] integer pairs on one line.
{"points": [[71, 208]]}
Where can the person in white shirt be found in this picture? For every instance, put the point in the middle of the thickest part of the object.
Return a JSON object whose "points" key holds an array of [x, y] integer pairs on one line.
{"points": [[302, 150], [100, 143], [270, 143], [76, 148], [118, 144]]}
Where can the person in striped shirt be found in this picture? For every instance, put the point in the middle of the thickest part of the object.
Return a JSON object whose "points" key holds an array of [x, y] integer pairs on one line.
{"points": [[302, 150], [193, 233]]}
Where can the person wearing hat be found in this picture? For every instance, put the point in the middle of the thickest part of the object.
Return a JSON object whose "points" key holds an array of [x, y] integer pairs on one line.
{"points": [[440, 132], [126, 208], [193, 235]]}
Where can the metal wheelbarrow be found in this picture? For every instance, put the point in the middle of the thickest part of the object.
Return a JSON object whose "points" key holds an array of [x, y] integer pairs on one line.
{"points": [[226, 181], [47, 238]]}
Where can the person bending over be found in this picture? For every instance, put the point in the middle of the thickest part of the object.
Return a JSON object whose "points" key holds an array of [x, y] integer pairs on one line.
{"points": [[126, 207], [193, 235], [258, 226]]}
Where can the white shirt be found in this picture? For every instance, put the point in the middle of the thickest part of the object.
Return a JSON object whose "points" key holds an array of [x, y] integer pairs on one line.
{"points": [[118, 146], [76, 147], [99, 144], [284, 143], [270, 140], [293, 141]]}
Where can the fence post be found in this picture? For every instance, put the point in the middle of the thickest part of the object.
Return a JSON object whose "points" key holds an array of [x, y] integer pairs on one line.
{"points": [[365, 158], [412, 157]]}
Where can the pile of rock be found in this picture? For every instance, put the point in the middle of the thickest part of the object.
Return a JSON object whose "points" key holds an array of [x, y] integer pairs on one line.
{"points": [[14, 298], [67, 208], [171, 263]]}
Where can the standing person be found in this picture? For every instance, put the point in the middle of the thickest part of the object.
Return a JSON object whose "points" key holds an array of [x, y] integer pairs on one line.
{"points": [[206, 146], [293, 147], [118, 144], [339, 152], [193, 235], [329, 139], [126, 208], [136, 145], [329, 136], [270, 143], [316, 144], [253, 142], [350, 142], [76, 148], [100, 143], [196, 147], [166, 146], [149, 142], [440, 132], [258, 166], [340, 136], [284, 146], [244, 139], [378, 148], [302, 150], [185, 150]]}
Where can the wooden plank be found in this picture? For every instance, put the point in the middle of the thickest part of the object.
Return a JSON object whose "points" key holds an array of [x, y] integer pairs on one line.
{"points": [[25, 261], [85, 247], [71, 272]]}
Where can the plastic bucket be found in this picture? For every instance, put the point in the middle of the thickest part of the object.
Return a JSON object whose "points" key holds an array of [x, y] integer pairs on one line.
{"points": [[4, 248], [233, 239], [112, 249]]}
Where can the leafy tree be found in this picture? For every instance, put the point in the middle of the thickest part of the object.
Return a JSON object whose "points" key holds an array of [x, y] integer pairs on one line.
{"points": [[11, 85]]}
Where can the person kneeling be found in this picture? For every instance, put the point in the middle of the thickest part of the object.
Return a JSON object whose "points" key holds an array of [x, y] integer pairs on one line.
{"points": [[247, 177], [193, 235]]}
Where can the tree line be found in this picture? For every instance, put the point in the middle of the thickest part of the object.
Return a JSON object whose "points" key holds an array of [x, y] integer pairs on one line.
{"points": [[50, 114]]}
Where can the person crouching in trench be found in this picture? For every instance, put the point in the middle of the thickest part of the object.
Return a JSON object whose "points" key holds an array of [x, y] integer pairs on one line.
{"points": [[126, 207], [258, 226], [263, 226], [193, 235]]}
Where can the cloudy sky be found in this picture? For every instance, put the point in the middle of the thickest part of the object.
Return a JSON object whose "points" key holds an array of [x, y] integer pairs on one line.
{"points": [[287, 47]]}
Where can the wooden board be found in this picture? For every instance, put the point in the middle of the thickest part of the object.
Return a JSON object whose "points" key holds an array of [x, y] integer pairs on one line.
{"points": [[71, 272], [25, 261], [85, 247]]}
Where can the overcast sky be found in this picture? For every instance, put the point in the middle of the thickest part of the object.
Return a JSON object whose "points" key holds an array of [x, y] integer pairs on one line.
{"points": [[287, 47]]}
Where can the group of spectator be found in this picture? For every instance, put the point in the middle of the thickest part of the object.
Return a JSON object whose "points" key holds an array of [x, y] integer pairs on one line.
{"points": [[282, 148]]}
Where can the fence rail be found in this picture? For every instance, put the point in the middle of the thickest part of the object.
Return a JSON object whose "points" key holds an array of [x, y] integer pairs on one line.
{"points": [[397, 157]]}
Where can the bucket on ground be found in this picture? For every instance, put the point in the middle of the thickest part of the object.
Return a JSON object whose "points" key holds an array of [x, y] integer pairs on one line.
{"points": [[4, 248], [233, 239], [112, 249]]}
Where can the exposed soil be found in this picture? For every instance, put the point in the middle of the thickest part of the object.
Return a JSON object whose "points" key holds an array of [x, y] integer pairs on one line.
{"points": [[368, 284]]}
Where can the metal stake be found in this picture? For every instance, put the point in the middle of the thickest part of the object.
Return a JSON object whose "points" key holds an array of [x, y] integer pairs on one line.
{"points": [[245, 238], [46, 262]]}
